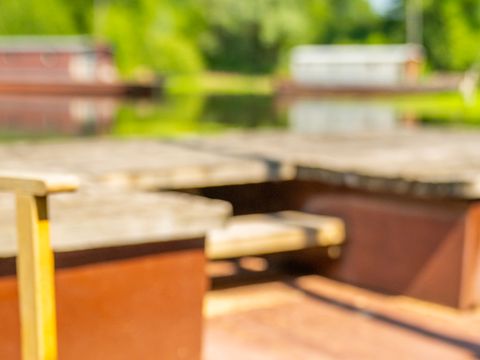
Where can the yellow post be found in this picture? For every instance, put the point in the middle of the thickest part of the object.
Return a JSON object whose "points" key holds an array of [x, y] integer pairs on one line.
{"points": [[35, 263], [35, 272]]}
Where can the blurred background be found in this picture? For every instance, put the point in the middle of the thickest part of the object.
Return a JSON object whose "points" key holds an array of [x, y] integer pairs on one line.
{"points": [[174, 69], [225, 64]]}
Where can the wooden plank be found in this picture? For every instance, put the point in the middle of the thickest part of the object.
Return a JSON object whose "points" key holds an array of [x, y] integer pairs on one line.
{"points": [[37, 183], [35, 271], [35, 264], [140, 164], [259, 234], [100, 218], [311, 317], [422, 163]]}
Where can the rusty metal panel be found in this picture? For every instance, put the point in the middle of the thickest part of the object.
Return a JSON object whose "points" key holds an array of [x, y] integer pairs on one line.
{"points": [[121, 304], [401, 246]]}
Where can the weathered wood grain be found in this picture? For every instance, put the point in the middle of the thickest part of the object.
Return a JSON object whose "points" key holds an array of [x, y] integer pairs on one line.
{"points": [[427, 163], [139, 164], [423, 163], [101, 218]]}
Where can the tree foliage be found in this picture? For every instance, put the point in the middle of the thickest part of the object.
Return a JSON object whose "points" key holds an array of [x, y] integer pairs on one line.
{"points": [[451, 31], [243, 35], [253, 35], [36, 17]]}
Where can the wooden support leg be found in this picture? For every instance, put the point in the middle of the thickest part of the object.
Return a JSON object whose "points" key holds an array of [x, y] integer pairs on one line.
{"points": [[35, 271]]}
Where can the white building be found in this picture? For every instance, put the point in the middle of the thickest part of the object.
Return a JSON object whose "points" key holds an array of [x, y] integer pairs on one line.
{"points": [[356, 65]]}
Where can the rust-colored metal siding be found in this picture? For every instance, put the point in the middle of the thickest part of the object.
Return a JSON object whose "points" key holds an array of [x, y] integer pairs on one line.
{"points": [[147, 306]]}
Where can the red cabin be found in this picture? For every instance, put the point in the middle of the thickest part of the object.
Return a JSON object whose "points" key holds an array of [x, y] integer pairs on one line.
{"points": [[55, 59]]}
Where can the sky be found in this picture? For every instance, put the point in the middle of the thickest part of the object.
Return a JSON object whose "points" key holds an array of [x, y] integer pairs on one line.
{"points": [[380, 5]]}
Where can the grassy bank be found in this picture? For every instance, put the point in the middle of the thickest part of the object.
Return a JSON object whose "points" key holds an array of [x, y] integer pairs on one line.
{"points": [[449, 107], [212, 83], [444, 108]]}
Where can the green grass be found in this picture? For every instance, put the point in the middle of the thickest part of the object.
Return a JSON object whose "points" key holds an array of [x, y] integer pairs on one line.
{"points": [[213, 103], [220, 83], [447, 108], [440, 108]]}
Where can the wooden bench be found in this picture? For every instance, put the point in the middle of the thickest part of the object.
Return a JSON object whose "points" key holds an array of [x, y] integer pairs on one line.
{"points": [[261, 234]]}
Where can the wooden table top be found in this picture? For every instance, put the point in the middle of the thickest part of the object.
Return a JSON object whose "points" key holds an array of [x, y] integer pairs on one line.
{"points": [[139, 164], [97, 218], [421, 163]]}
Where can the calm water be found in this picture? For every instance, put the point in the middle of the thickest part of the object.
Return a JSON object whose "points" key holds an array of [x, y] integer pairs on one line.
{"points": [[59, 117]]}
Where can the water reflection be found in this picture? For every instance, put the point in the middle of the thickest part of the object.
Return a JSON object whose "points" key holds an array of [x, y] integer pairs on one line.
{"points": [[40, 116], [197, 114], [29, 117], [330, 116], [46, 116]]}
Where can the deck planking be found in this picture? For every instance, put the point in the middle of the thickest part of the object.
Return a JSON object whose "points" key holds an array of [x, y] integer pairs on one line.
{"points": [[311, 317]]}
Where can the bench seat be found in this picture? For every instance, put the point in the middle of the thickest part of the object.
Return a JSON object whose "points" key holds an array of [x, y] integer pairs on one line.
{"points": [[261, 234]]}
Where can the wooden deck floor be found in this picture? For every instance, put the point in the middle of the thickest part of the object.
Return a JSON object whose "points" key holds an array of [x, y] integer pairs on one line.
{"points": [[310, 317]]}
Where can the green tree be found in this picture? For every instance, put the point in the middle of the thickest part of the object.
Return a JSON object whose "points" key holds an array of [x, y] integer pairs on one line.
{"points": [[36, 17], [156, 34], [252, 35], [187, 35], [451, 31]]}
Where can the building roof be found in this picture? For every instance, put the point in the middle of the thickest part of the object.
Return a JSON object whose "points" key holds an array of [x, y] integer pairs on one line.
{"points": [[33, 43], [318, 54]]}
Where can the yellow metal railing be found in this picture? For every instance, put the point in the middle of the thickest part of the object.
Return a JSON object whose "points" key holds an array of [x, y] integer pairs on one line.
{"points": [[35, 262]]}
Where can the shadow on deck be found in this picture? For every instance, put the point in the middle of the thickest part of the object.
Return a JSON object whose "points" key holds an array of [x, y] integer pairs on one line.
{"points": [[310, 317]]}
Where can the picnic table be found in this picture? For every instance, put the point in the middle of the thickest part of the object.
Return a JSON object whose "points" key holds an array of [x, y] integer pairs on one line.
{"points": [[129, 273], [409, 200]]}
